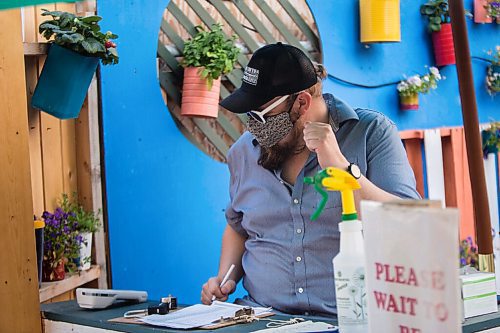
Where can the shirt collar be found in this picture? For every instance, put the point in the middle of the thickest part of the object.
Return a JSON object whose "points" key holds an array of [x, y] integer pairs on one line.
{"points": [[339, 111]]}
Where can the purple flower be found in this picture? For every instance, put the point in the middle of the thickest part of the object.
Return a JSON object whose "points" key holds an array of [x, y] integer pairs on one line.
{"points": [[66, 229], [462, 262]]}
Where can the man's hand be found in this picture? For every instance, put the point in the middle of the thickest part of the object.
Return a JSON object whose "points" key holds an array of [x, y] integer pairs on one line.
{"points": [[319, 138], [212, 288]]}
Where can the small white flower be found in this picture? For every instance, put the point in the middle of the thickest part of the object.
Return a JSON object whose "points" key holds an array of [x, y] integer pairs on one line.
{"points": [[434, 71], [426, 78]]}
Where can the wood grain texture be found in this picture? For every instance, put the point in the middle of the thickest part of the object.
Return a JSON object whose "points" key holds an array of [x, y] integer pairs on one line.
{"points": [[18, 276]]}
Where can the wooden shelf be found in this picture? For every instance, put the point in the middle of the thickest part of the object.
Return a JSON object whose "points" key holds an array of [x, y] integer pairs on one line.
{"points": [[50, 290]]}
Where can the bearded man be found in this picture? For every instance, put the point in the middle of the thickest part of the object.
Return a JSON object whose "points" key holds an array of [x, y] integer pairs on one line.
{"points": [[294, 130]]}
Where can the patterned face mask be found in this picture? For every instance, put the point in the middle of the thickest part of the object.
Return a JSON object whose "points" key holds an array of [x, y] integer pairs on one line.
{"points": [[272, 131]]}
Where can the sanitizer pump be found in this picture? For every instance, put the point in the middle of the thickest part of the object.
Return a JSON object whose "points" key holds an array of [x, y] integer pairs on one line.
{"points": [[349, 263]]}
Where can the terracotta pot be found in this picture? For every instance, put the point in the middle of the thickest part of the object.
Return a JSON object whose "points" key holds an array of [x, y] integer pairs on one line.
{"points": [[380, 21], [197, 99], [480, 13], [408, 102], [444, 50], [51, 273]]}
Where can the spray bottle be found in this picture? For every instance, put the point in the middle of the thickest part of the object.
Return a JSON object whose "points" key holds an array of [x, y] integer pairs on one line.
{"points": [[349, 263]]}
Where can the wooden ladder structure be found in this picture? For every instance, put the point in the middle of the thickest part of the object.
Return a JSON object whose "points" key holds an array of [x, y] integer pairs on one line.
{"points": [[255, 23]]}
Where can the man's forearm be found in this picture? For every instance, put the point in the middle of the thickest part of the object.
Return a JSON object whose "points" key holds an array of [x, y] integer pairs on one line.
{"points": [[233, 247]]}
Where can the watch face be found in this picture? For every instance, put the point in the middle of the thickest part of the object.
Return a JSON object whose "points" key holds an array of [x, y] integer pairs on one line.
{"points": [[355, 171]]}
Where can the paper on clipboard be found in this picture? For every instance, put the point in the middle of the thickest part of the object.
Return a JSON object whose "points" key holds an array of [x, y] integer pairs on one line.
{"points": [[199, 315]]}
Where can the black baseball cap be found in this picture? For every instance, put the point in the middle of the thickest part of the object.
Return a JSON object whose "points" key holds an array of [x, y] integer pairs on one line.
{"points": [[274, 70]]}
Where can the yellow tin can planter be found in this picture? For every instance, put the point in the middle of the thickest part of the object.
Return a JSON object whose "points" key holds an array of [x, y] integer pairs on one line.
{"points": [[380, 21], [408, 102]]}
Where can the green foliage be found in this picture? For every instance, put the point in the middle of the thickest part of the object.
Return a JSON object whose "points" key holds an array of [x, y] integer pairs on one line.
{"points": [[493, 9], [437, 13], [493, 72], [88, 221], [491, 139], [212, 51], [80, 34]]}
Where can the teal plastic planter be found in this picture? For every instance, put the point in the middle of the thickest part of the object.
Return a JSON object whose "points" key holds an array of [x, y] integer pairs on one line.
{"points": [[64, 82]]}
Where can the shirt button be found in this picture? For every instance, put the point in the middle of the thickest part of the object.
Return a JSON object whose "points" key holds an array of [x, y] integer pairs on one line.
{"points": [[299, 259], [306, 313], [295, 201], [301, 290], [281, 182], [299, 231]]}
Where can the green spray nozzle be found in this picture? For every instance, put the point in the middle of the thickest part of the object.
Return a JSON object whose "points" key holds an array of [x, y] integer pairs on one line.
{"points": [[333, 179], [317, 182]]}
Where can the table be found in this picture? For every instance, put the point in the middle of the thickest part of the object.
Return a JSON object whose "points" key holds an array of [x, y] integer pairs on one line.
{"points": [[67, 316]]}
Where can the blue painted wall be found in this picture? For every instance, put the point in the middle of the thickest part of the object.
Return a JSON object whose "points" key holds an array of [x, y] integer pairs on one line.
{"points": [[345, 57], [165, 198]]}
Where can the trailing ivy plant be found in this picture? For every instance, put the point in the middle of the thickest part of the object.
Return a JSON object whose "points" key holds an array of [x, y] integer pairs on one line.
{"points": [[80, 34], [212, 51], [437, 12]]}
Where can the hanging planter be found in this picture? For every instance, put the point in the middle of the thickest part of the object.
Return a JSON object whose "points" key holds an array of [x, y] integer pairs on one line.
{"points": [[64, 82], [409, 88], [197, 98], [380, 21], [440, 27], [444, 49], [207, 56], [408, 102], [480, 12], [74, 54]]}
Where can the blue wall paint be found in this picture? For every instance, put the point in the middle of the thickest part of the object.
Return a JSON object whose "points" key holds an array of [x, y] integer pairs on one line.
{"points": [[166, 199], [345, 57]]}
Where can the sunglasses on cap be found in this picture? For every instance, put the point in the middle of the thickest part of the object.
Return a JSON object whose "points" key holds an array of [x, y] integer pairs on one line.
{"points": [[259, 115]]}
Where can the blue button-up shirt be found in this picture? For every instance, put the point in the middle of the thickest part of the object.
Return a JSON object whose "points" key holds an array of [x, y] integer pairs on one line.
{"points": [[288, 259]]}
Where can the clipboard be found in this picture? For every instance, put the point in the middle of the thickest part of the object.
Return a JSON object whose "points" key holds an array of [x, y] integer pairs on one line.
{"points": [[242, 316]]}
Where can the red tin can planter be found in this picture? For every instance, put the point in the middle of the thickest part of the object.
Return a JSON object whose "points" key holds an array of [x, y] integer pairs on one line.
{"points": [[444, 50]]}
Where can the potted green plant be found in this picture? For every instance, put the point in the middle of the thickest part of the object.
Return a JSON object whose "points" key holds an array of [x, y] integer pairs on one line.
{"points": [[492, 8], [60, 241], [493, 72], [439, 25], [86, 223], [491, 139], [77, 45], [410, 88], [207, 56]]}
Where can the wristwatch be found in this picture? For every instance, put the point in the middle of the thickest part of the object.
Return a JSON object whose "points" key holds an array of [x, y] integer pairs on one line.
{"points": [[354, 170]]}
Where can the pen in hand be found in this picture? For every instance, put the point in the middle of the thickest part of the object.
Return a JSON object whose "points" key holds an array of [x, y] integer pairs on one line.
{"points": [[224, 280]]}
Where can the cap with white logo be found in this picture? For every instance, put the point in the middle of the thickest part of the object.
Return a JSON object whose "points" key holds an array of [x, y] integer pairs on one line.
{"points": [[274, 70]]}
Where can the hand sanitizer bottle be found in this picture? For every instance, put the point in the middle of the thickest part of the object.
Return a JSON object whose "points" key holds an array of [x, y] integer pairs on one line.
{"points": [[349, 263], [349, 272]]}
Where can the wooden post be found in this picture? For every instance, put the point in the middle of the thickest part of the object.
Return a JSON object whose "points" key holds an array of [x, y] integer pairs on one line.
{"points": [[472, 136], [18, 276]]}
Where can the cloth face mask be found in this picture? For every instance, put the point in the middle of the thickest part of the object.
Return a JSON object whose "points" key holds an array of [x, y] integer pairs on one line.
{"points": [[272, 131]]}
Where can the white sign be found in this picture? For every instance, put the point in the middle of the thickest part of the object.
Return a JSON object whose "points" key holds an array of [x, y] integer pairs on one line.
{"points": [[411, 267]]}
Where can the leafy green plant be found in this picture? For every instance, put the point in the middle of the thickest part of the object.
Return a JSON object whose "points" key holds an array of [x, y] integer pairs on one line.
{"points": [[493, 9], [491, 138], [80, 34], [87, 221], [437, 12], [493, 72], [212, 51]]}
